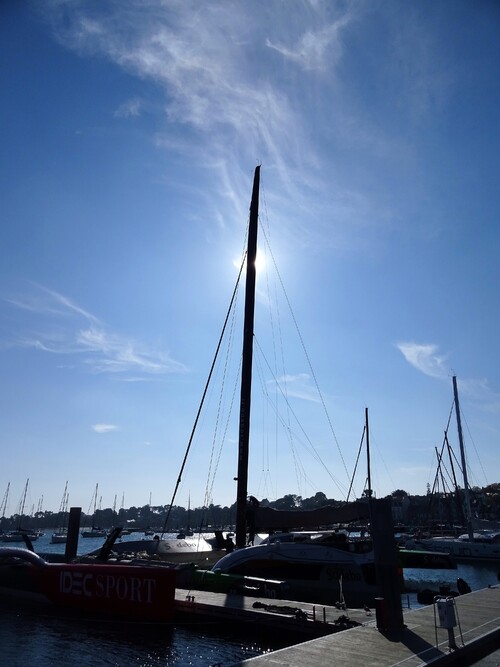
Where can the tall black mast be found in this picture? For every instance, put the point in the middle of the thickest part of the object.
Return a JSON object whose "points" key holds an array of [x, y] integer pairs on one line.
{"points": [[246, 370]]}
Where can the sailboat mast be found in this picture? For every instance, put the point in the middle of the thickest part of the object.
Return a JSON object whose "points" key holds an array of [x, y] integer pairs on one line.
{"points": [[464, 464], [368, 462], [246, 370]]}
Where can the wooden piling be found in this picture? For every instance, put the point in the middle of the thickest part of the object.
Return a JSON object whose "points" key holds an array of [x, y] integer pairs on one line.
{"points": [[73, 533]]}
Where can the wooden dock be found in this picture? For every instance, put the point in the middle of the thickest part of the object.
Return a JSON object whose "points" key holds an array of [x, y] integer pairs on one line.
{"points": [[420, 642]]}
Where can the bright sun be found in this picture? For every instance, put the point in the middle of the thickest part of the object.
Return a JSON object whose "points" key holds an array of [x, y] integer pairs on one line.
{"points": [[260, 262]]}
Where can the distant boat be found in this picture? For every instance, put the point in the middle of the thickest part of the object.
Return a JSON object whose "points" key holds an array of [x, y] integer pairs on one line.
{"points": [[188, 532], [94, 531], [60, 536], [21, 535], [4, 508], [482, 544]]}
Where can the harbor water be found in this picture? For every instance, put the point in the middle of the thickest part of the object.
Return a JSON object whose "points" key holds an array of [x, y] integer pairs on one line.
{"points": [[43, 639]]}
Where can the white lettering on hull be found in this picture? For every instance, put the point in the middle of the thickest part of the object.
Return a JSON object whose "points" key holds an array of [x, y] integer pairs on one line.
{"points": [[120, 587]]}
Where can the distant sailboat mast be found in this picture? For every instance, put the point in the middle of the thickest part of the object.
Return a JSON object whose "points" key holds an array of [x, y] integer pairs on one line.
{"points": [[468, 511], [4, 505], [246, 371]]}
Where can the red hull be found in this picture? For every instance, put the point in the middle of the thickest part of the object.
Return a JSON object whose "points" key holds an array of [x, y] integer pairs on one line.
{"points": [[144, 593], [127, 591]]}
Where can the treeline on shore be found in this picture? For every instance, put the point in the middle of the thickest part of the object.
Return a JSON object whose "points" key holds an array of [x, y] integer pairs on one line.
{"points": [[411, 510]]}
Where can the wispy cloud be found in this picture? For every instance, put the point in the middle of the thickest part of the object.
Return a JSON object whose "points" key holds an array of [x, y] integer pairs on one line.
{"points": [[48, 302], [60, 326], [479, 391], [425, 358], [129, 109], [298, 386], [104, 428], [314, 49], [217, 69], [237, 90]]}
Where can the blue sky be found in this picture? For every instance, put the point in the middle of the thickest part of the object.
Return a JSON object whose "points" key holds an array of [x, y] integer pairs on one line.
{"points": [[130, 132]]}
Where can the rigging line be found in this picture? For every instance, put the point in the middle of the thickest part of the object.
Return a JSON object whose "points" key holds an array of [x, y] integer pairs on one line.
{"points": [[450, 416], [317, 456], [220, 410], [459, 464], [278, 334], [307, 357], [235, 291], [209, 492], [457, 499], [298, 467], [445, 492], [356, 464], [445, 437], [475, 448], [443, 467]]}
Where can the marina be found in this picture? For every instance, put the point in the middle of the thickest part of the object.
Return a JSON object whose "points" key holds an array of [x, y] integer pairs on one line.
{"points": [[247, 250], [215, 629]]}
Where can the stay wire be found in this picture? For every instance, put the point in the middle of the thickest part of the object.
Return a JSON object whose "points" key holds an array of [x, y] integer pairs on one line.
{"points": [[179, 479], [317, 456], [307, 356]]}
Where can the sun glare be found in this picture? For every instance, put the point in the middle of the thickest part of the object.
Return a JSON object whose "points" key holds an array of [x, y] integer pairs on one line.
{"points": [[260, 262]]}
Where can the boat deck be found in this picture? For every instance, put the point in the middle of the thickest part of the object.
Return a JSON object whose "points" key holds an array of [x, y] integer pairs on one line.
{"points": [[477, 632]]}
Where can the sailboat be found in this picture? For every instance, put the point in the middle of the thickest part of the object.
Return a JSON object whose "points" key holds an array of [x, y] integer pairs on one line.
{"points": [[318, 562], [477, 544], [21, 535], [60, 536], [95, 531], [188, 532], [4, 508], [319, 565]]}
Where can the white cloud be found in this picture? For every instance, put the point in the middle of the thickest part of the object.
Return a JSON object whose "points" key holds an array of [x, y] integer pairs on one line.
{"points": [[424, 358], [314, 49], [49, 302], [232, 96], [213, 65], [298, 386], [129, 109], [104, 428], [59, 331]]}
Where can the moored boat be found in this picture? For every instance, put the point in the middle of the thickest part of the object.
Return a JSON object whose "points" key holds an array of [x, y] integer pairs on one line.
{"points": [[142, 592], [474, 545], [60, 536], [19, 536], [194, 550], [94, 531]]}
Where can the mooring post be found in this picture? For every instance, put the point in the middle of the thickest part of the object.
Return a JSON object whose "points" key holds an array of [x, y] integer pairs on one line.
{"points": [[387, 570], [73, 533]]}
